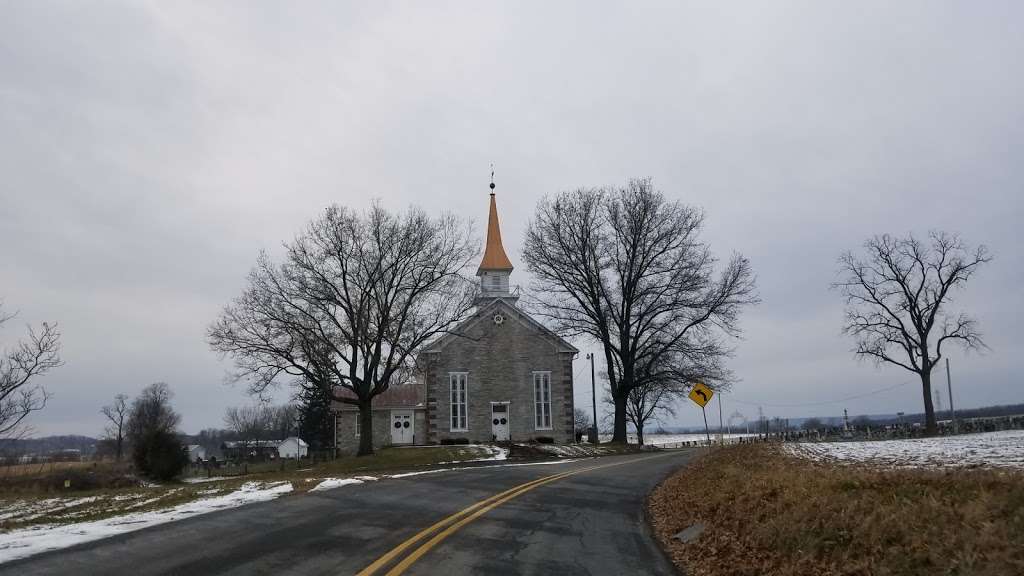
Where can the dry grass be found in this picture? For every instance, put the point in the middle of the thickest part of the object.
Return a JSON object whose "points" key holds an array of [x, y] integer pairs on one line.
{"points": [[769, 513], [41, 468]]}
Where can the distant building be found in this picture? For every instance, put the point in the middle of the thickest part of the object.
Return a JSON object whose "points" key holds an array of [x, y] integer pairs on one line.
{"points": [[250, 450], [289, 447], [67, 455], [499, 376], [196, 453]]}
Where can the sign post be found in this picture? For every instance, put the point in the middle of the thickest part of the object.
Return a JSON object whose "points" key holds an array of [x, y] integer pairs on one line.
{"points": [[701, 395]]}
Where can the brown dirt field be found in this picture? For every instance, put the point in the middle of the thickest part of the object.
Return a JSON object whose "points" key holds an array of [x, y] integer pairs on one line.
{"points": [[766, 512]]}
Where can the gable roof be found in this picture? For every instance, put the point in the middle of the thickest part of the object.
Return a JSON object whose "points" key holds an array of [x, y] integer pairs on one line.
{"points": [[400, 396], [482, 312]]}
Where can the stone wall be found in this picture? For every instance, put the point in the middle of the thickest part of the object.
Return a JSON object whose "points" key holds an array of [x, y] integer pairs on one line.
{"points": [[500, 361]]}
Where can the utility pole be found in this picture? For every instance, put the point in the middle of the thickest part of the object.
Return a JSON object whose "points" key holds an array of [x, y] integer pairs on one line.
{"points": [[593, 397], [949, 389], [721, 439], [706, 431]]}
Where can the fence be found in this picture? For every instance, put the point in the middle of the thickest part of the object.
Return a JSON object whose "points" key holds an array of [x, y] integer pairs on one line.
{"points": [[713, 442]]}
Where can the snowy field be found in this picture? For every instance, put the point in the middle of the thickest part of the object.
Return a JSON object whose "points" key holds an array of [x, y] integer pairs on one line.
{"points": [[991, 449]]}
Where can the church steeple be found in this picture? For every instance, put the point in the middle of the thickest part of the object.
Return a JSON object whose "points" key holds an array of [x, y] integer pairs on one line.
{"points": [[495, 267], [494, 253]]}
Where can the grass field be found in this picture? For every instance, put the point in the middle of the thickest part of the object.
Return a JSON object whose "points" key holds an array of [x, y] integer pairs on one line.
{"points": [[768, 512]]}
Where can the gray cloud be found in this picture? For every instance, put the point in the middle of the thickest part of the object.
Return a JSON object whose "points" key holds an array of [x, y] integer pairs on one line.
{"points": [[149, 150]]}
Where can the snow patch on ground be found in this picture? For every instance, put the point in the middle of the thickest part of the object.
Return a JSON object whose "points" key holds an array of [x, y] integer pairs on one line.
{"points": [[407, 474], [25, 510], [993, 449], [28, 541], [571, 450], [332, 483], [494, 453]]}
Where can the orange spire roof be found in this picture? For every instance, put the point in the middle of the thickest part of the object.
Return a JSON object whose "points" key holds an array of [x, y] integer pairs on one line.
{"points": [[494, 254]]}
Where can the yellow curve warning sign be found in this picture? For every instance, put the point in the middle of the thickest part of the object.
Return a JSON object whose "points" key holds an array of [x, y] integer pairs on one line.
{"points": [[701, 394]]}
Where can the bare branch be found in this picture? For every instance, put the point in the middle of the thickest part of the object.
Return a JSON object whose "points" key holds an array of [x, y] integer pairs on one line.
{"points": [[20, 394]]}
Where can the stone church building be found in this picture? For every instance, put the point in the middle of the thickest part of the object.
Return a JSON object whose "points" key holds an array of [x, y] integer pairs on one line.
{"points": [[499, 376]]}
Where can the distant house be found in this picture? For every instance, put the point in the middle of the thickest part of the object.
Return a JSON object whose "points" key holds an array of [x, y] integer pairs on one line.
{"points": [[67, 455], [289, 447], [250, 450], [196, 453]]}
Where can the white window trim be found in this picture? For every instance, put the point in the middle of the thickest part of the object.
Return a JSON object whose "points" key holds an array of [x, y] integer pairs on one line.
{"points": [[537, 425], [451, 405]]}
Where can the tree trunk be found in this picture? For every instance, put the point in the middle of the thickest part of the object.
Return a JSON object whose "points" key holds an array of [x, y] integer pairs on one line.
{"points": [[619, 432], [640, 435], [120, 447], [366, 429], [930, 426]]}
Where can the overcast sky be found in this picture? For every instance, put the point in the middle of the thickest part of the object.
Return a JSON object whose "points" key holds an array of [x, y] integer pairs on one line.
{"points": [[148, 151]]}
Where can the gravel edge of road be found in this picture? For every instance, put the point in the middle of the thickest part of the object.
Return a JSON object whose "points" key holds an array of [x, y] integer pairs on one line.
{"points": [[650, 526]]}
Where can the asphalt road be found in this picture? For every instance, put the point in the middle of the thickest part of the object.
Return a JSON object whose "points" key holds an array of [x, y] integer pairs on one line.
{"points": [[591, 521]]}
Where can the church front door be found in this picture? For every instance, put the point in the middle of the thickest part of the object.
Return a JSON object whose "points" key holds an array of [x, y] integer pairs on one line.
{"points": [[402, 427], [499, 421]]}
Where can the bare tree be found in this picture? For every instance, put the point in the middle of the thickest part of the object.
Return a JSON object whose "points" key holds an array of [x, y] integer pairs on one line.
{"points": [[897, 302], [151, 431], [20, 367], [626, 267], [662, 386], [283, 420], [150, 413], [581, 420], [249, 423], [117, 413], [355, 298]]}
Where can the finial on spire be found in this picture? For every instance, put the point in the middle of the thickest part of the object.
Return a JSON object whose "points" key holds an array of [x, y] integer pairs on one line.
{"points": [[492, 177]]}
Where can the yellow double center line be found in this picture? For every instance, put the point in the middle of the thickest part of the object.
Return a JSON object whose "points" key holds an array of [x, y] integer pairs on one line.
{"points": [[453, 523]]}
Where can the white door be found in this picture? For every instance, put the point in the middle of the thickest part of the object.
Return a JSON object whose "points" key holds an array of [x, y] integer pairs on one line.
{"points": [[401, 427], [499, 422]]}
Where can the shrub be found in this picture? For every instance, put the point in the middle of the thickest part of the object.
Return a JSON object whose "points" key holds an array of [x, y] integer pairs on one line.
{"points": [[545, 440], [160, 455]]}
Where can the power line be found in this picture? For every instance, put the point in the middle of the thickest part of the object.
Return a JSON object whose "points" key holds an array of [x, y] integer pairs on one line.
{"points": [[807, 404]]}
